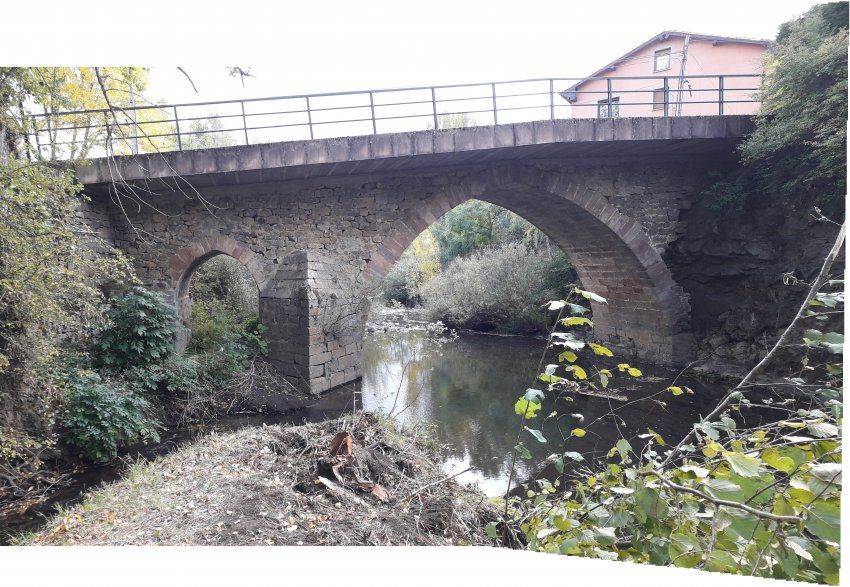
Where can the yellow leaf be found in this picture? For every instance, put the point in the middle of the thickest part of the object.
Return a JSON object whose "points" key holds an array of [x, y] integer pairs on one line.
{"points": [[579, 432], [675, 390], [634, 372], [567, 356], [576, 321], [579, 373], [601, 350]]}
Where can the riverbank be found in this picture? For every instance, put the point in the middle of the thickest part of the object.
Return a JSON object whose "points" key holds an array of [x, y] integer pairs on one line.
{"points": [[311, 484]]}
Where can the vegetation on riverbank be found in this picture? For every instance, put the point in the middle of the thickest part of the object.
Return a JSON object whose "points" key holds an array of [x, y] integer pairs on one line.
{"points": [[483, 268], [350, 481]]}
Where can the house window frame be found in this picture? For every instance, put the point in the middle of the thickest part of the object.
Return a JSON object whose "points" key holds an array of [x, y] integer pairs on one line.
{"points": [[669, 55], [600, 104], [656, 104]]}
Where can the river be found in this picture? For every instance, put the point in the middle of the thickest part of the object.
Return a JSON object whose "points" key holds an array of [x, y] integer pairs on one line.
{"points": [[465, 387]]}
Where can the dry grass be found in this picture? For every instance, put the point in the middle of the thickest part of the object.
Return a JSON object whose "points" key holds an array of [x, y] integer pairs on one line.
{"points": [[263, 486]]}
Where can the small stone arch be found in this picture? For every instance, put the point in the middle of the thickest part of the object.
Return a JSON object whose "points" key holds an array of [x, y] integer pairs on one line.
{"points": [[647, 312], [185, 261]]}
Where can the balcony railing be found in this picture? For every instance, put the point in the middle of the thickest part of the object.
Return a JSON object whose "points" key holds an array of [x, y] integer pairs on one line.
{"points": [[194, 125]]}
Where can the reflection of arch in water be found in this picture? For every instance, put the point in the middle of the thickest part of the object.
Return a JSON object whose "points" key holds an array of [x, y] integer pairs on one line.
{"points": [[646, 311]]}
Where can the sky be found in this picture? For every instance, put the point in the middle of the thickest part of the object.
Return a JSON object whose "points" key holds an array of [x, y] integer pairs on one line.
{"points": [[321, 46]]}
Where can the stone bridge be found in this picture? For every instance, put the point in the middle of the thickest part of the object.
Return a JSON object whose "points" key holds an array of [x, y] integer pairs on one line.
{"points": [[319, 223]]}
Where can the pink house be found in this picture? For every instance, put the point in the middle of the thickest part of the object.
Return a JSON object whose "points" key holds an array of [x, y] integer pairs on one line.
{"points": [[675, 74]]}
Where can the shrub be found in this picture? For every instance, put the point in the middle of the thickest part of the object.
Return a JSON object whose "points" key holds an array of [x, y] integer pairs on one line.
{"points": [[498, 289], [142, 331], [102, 416]]}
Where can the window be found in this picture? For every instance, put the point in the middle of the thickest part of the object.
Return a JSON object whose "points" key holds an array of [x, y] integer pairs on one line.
{"points": [[658, 99], [602, 108], [662, 60]]}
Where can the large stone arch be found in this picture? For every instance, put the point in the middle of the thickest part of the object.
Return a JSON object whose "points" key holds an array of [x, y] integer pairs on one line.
{"points": [[646, 313]]}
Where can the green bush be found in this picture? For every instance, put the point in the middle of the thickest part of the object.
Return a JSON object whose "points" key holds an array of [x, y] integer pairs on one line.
{"points": [[142, 331], [498, 289], [100, 416]]}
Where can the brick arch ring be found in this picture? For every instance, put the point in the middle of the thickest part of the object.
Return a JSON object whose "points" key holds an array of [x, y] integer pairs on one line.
{"points": [[647, 313]]}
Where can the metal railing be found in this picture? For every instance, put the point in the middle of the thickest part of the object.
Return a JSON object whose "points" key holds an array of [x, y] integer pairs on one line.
{"points": [[193, 125]]}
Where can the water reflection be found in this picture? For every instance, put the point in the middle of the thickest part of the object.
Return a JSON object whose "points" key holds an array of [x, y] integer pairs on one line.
{"points": [[467, 388]]}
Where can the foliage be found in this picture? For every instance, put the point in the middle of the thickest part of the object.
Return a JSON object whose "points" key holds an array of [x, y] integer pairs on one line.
{"points": [[51, 267], [475, 224], [206, 134], [100, 416], [419, 263], [497, 289], [754, 490], [142, 331], [798, 148], [225, 313]]}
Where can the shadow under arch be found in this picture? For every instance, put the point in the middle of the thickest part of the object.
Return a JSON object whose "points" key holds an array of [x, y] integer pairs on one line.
{"points": [[647, 314]]}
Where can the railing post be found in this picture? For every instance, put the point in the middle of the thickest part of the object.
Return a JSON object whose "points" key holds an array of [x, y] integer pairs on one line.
{"points": [[610, 100], [37, 141], [244, 122], [720, 94], [177, 126], [666, 96], [551, 99], [434, 108], [309, 117], [108, 132], [495, 114], [372, 108]]}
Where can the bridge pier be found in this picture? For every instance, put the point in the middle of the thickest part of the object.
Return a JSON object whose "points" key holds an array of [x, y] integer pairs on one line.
{"points": [[315, 318]]}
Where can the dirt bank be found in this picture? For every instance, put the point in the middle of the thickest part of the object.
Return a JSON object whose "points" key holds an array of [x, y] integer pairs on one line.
{"points": [[339, 482]]}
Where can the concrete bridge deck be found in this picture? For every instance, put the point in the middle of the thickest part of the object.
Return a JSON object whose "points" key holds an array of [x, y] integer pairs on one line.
{"points": [[369, 154]]}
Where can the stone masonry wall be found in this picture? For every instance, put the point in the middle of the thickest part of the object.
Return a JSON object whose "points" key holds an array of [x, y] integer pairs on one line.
{"points": [[319, 248]]}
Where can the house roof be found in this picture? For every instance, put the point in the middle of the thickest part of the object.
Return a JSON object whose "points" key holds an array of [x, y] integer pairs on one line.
{"points": [[663, 36]]}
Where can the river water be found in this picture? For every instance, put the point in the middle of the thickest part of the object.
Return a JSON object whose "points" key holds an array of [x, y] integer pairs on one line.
{"points": [[466, 386], [462, 388]]}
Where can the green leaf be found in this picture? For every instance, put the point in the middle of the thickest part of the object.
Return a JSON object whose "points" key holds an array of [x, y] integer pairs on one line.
{"points": [[824, 521], [564, 524], [742, 464], [534, 395], [522, 451], [536, 434], [526, 409], [589, 295], [490, 530], [623, 447], [649, 504], [822, 429]]}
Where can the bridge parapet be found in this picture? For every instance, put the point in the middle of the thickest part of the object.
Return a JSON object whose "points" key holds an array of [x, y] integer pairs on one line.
{"points": [[621, 138]]}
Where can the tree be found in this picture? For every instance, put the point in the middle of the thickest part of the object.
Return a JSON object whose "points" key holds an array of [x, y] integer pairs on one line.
{"points": [[797, 151], [80, 90]]}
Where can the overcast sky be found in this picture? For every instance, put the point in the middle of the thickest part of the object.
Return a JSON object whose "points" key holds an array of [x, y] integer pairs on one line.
{"points": [[295, 48]]}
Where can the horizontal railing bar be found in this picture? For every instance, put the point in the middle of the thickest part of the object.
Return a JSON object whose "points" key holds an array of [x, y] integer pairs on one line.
{"points": [[385, 90]]}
